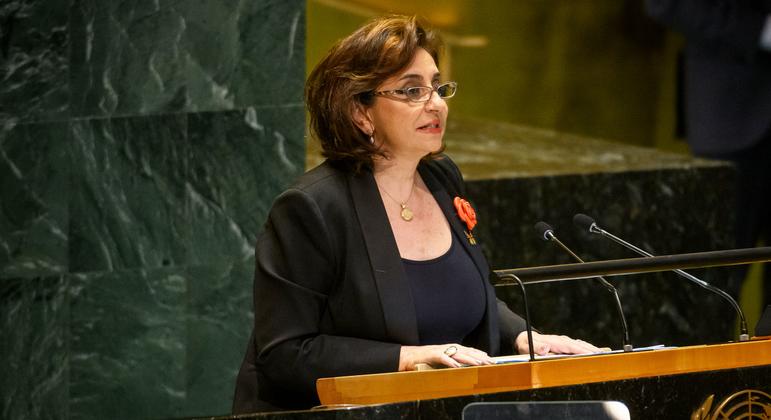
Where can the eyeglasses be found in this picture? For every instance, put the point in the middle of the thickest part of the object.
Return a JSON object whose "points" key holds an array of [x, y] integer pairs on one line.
{"points": [[420, 93]]}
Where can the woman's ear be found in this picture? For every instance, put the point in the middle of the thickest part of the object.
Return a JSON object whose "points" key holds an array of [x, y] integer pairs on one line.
{"points": [[362, 119]]}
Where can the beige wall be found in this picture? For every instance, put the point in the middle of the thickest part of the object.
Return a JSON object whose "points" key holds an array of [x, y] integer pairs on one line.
{"points": [[593, 67]]}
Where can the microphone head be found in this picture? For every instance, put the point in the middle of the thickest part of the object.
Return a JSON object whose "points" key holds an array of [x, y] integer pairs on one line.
{"points": [[544, 230], [584, 222]]}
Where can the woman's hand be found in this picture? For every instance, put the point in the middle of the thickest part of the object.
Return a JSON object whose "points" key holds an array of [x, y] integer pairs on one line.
{"points": [[557, 344], [450, 355]]}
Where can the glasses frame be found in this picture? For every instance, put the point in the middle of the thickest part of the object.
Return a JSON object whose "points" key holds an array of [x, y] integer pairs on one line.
{"points": [[390, 93]]}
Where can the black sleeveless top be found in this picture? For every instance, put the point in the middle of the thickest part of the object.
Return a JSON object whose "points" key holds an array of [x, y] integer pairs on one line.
{"points": [[448, 293]]}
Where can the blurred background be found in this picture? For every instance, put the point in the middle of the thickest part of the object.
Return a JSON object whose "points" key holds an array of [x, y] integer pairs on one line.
{"points": [[601, 68]]}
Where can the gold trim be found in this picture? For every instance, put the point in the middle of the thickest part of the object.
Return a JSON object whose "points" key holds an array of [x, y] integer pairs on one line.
{"points": [[746, 404]]}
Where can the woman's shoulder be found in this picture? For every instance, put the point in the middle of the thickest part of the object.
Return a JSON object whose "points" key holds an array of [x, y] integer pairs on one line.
{"points": [[320, 180], [445, 170], [318, 193]]}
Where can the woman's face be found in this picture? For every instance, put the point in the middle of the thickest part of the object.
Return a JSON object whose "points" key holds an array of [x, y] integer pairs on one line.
{"points": [[407, 129]]}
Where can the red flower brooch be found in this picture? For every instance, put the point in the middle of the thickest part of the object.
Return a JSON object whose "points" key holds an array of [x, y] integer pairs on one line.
{"points": [[468, 215]]}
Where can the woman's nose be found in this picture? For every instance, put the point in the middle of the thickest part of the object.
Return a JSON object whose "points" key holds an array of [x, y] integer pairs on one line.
{"points": [[435, 102]]}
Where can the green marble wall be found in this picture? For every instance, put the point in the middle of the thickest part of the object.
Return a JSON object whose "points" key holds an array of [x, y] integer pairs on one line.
{"points": [[141, 145]]}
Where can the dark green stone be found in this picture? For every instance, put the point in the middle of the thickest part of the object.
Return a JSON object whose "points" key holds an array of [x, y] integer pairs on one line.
{"points": [[219, 323], [128, 345], [155, 57], [34, 59], [239, 161], [34, 180], [154, 138], [34, 349], [128, 201]]}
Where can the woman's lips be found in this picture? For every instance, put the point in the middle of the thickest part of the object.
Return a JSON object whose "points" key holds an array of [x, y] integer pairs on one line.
{"points": [[433, 127]]}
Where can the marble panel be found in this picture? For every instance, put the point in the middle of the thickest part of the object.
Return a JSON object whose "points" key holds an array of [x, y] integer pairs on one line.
{"points": [[128, 202], [219, 323], [165, 56], [34, 326], [239, 162], [34, 65], [652, 209], [273, 54], [128, 344], [34, 180]]}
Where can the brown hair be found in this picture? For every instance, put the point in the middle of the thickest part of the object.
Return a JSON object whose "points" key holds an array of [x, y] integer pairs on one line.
{"points": [[348, 75]]}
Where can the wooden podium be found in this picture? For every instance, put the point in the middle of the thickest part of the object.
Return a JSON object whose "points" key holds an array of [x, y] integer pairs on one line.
{"points": [[505, 378]]}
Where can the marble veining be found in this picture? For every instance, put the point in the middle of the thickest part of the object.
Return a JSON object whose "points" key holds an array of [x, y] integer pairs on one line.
{"points": [[34, 180], [219, 321], [127, 166], [34, 61], [141, 146], [128, 343], [34, 349], [235, 172], [149, 58]]}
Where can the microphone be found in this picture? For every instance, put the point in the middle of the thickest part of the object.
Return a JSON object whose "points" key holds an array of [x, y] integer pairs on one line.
{"points": [[585, 222], [547, 233]]}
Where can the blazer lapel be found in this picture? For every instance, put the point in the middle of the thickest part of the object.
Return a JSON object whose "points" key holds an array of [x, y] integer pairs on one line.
{"points": [[386, 264], [448, 208]]}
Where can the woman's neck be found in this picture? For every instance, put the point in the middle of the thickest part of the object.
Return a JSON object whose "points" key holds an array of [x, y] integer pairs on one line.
{"points": [[395, 170]]}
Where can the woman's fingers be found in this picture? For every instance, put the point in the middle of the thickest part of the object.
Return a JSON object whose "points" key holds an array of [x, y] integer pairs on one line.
{"points": [[540, 347], [450, 355], [473, 357], [455, 355], [586, 347], [449, 361], [559, 344], [566, 345]]}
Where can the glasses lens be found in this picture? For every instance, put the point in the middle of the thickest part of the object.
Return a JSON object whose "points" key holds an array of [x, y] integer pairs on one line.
{"points": [[447, 90], [418, 93]]}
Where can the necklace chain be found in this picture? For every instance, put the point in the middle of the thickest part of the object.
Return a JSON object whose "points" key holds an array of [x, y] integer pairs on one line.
{"points": [[406, 213]]}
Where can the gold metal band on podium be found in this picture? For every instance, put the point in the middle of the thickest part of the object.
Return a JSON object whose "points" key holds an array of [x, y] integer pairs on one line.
{"points": [[747, 404]]}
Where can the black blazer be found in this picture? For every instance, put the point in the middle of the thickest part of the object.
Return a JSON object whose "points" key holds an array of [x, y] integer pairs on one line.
{"points": [[727, 75], [330, 294]]}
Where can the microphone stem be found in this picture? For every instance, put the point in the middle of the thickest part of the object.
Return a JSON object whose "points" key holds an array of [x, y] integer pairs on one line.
{"points": [[616, 239], [743, 331], [528, 327], [627, 343], [644, 253]]}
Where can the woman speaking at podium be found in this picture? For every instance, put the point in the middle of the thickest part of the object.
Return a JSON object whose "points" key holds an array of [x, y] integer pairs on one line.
{"points": [[369, 263]]}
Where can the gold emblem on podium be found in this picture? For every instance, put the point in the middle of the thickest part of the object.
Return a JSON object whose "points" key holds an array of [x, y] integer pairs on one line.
{"points": [[747, 404]]}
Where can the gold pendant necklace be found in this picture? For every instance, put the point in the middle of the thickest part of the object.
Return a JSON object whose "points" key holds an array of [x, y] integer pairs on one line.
{"points": [[406, 213]]}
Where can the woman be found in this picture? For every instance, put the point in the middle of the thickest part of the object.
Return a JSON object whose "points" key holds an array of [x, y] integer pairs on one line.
{"points": [[365, 264]]}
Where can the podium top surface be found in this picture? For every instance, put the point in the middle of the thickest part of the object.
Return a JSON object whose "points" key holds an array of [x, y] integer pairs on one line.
{"points": [[441, 383], [486, 149]]}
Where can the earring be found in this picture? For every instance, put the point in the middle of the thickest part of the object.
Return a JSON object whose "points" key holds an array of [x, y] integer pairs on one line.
{"points": [[372, 138]]}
